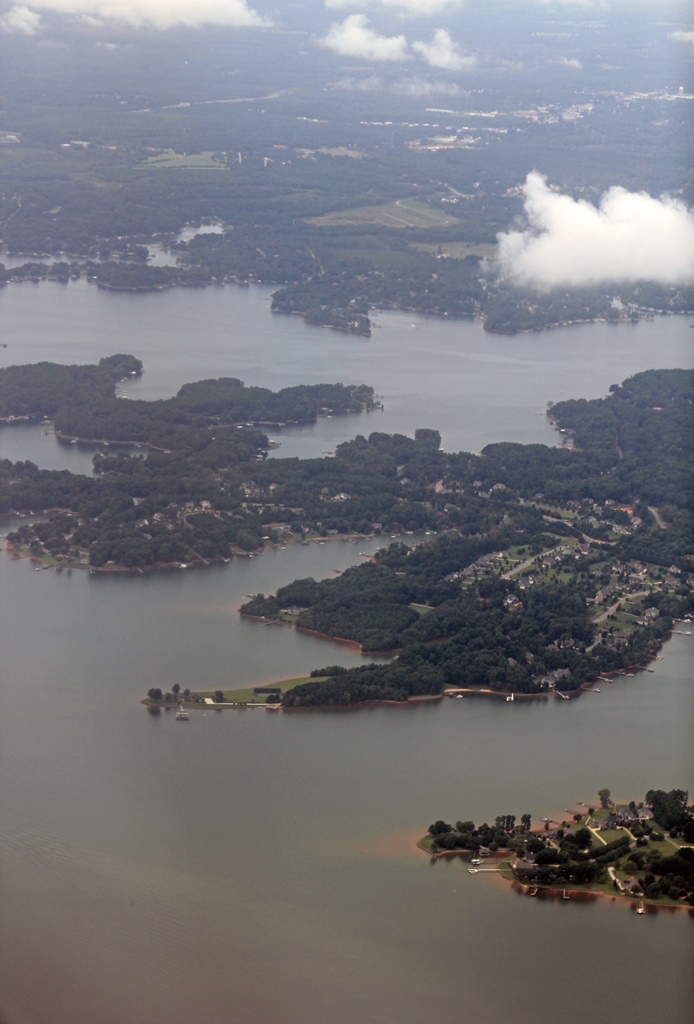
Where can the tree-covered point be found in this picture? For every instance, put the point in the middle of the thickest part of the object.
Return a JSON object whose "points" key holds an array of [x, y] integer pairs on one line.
{"points": [[82, 401], [639, 863], [41, 389], [446, 608], [505, 833]]}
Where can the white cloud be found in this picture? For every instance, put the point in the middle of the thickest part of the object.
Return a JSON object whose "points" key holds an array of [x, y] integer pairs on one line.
{"points": [[416, 86], [630, 236], [421, 8], [569, 62], [354, 37], [684, 37], [21, 19], [442, 52], [156, 13], [410, 86], [586, 4]]}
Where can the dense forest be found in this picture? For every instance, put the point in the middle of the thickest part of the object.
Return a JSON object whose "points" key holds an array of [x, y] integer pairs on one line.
{"points": [[205, 446]]}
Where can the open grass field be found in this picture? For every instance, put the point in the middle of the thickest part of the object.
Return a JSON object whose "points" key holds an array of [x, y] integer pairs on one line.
{"points": [[247, 695], [421, 609], [169, 160], [354, 154], [609, 835], [459, 250], [403, 213]]}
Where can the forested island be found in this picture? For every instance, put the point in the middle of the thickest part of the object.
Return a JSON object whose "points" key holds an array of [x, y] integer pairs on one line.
{"points": [[638, 851], [544, 568]]}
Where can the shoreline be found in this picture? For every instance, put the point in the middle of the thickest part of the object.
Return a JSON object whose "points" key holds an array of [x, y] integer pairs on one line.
{"points": [[235, 280], [552, 891], [47, 561]]}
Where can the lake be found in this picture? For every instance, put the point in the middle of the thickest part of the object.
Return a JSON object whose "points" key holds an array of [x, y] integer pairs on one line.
{"points": [[261, 867], [445, 373]]}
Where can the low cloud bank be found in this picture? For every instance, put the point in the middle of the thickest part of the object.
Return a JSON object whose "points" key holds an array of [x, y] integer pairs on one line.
{"points": [[152, 13], [354, 37], [412, 85], [630, 236], [685, 36], [20, 19], [419, 8], [442, 52]]}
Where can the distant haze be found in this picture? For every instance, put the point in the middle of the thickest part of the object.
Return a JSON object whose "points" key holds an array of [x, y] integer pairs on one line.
{"points": [[629, 236]]}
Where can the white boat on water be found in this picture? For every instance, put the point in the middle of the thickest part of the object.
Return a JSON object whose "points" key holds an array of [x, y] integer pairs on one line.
{"points": [[181, 715]]}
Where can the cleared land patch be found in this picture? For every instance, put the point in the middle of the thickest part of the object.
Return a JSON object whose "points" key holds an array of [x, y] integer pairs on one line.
{"points": [[403, 213], [169, 160], [459, 250]]}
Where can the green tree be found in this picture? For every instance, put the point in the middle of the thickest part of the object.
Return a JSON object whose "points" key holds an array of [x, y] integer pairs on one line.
{"points": [[605, 798]]}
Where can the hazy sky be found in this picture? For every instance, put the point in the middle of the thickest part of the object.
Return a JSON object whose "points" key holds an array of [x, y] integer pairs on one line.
{"points": [[395, 17]]}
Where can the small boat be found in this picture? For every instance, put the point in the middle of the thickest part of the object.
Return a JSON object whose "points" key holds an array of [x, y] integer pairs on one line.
{"points": [[181, 714], [640, 909], [476, 861]]}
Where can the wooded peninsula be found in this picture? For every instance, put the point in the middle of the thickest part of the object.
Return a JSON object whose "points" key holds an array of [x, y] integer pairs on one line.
{"points": [[541, 568], [638, 851]]}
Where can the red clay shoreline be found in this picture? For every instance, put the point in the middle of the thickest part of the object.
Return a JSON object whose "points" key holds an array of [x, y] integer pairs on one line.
{"points": [[553, 891]]}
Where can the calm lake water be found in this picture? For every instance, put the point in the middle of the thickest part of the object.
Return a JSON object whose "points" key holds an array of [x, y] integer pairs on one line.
{"points": [[260, 867], [445, 373]]}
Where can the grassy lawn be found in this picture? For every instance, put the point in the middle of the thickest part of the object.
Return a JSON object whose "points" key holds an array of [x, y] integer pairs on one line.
{"points": [[247, 696], [610, 834], [575, 825], [677, 843], [48, 561], [558, 513], [403, 213]]}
